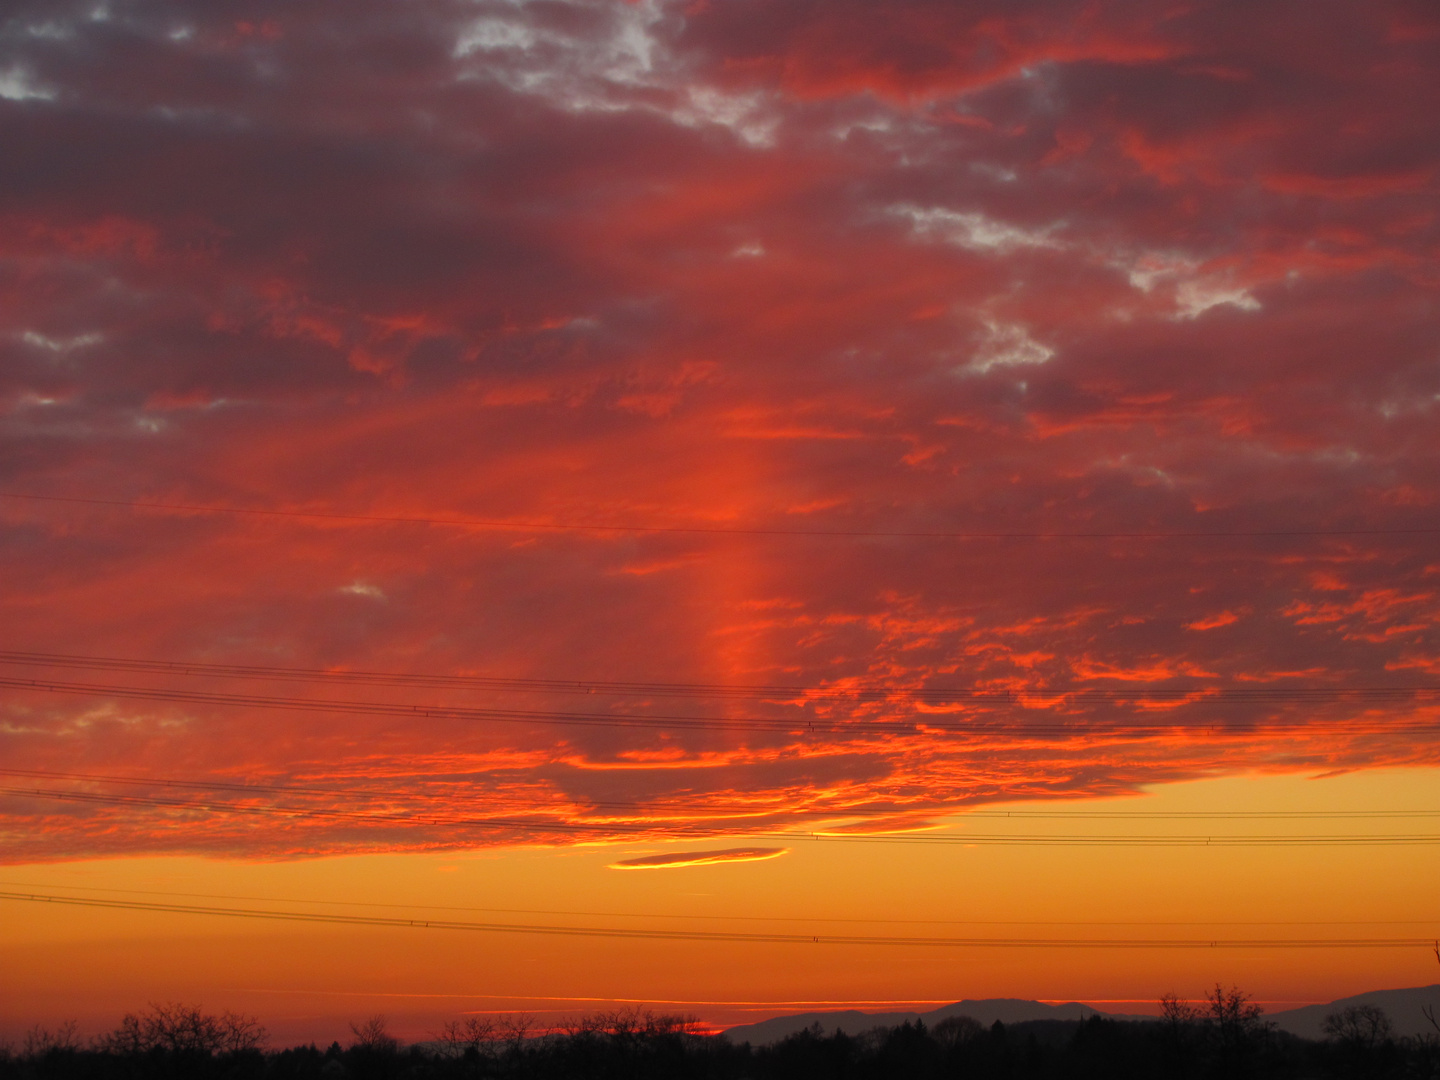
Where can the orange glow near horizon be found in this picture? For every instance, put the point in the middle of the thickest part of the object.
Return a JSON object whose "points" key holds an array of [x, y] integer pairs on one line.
{"points": [[310, 980]]}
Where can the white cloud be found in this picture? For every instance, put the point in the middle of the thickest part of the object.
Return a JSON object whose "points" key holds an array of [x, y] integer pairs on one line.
{"points": [[975, 231], [1151, 268], [619, 68], [51, 31], [564, 67], [994, 172], [490, 34], [880, 124], [43, 341], [16, 85], [361, 588], [1194, 298], [1194, 295], [1007, 345], [740, 113]]}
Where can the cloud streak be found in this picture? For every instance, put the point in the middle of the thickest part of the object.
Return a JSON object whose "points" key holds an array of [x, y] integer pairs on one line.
{"points": [[679, 859], [1143, 295]]}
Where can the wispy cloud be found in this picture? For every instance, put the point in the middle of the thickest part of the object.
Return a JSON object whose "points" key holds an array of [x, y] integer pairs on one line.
{"points": [[679, 859], [1105, 323]]}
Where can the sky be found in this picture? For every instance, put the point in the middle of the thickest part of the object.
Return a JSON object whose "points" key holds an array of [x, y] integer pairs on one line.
{"points": [[695, 465]]}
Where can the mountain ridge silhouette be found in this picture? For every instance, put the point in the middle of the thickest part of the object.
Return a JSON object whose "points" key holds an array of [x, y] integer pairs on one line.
{"points": [[1402, 1005]]}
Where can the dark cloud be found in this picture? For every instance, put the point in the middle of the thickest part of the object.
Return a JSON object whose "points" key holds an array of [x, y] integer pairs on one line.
{"points": [[937, 268]]}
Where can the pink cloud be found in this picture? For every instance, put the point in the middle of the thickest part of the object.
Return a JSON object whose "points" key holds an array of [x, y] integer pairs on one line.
{"points": [[1137, 299]]}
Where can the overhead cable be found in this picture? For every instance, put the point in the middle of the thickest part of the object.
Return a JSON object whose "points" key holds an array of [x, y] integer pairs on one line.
{"points": [[913, 724], [783, 693], [670, 830], [752, 809], [691, 916], [736, 937], [725, 530]]}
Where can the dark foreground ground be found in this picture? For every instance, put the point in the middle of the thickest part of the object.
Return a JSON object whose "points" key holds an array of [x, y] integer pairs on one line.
{"points": [[640, 1046]]}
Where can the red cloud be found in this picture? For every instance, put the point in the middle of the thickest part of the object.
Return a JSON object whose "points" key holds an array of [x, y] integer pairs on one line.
{"points": [[945, 369]]}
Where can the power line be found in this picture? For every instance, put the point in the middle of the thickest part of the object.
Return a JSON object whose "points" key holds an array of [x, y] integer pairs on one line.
{"points": [[753, 937], [1218, 841], [440, 711], [720, 530], [412, 794], [692, 917], [921, 724], [696, 831], [365, 816], [739, 809], [858, 693], [652, 805]]}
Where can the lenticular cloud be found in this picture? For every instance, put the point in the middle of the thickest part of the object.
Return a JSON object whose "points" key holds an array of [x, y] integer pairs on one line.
{"points": [[675, 860]]}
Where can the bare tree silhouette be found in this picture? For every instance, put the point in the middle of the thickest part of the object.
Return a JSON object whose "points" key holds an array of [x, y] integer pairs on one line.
{"points": [[1363, 1026], [956, 1031], [373, 1037], [183, 1029], [473, 1034], [1428, 1011], [41, 1042], [515, 1030]]}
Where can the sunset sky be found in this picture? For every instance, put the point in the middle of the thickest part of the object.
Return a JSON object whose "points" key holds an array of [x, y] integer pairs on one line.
{"points": [[726, 473]]}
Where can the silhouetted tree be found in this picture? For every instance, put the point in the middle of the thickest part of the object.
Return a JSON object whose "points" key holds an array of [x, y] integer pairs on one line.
{"points": [[375, 1053], [184, 1030], [1361, 1040], [515, 1029], [1235, 1030], [957, 1031], [41, 1042], [1429, 1010], [810, 1055], [1364, 1026], [1180, 1034], [473, 1039], [907, 1050], [372, 1037], [1105, 1049], [1226, 1036]]}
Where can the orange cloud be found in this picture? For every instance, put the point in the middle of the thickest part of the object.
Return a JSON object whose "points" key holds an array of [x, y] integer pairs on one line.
{"points": [[1230, 423], [698, 858]]}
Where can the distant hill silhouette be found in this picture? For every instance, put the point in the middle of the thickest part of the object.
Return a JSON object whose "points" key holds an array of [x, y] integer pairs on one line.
{"points": [[1402, 1006], [853, 1022]]}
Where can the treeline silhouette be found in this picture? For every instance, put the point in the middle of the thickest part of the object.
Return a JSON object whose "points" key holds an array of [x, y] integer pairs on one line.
{"points": [[1226, 1036]]}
